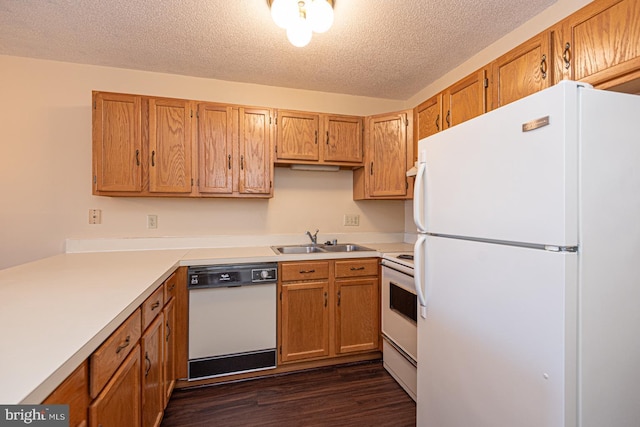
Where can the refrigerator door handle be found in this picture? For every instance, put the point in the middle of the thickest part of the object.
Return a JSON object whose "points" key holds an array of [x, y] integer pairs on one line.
{"points": [[418, 198], [419, 250]]}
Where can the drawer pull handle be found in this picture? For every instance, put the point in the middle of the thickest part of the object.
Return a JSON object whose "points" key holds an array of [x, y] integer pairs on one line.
{"points": [[307, 271], [155, 305], [338, 298], [153, 158], [123, 346], [147, 362], [172, 287], [438, 123], [357, 268], [325, 299], [168, 331]]}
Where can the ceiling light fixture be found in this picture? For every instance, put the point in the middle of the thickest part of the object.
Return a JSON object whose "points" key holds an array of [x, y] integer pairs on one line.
{"points": [[302, 18]]}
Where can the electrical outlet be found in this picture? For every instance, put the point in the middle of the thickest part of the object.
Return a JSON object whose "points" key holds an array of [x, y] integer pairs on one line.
{"points": [[95, 216], [351, 220], [152, 221]]}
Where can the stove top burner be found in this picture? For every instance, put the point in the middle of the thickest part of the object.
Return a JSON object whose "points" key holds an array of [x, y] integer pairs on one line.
{"points": [[405, 256]]}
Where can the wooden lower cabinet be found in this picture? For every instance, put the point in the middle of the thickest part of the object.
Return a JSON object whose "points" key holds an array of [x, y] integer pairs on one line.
{"points": [[305, 320], [152, 374], [169, 350], [74, 391], [328, 316], [357, 315], [118, 404]]}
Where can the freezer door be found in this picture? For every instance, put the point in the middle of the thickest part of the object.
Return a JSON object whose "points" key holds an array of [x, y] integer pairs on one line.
{"points": [[491, 178], [498, 345]]}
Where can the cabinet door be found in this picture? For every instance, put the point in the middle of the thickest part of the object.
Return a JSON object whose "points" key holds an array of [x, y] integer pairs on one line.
{"points": [[117, 142], [465, 99], [304, 312], [119, 402], [388, 155], [357, 315], [600, 43], [169, 350], [297, 136], [215, 149], [74, 391], [170, 146], [153, 396], [342, 139], [522, 71], [256, 167], [427, 120]]}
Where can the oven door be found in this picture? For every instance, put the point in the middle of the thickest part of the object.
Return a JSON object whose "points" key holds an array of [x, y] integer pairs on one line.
{"points": [[399, 309]]}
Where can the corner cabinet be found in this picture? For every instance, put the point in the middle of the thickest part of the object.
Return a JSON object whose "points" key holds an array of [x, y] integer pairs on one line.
{"points": [[328, 309], [315, 138], [165, 147], [388, 155]]}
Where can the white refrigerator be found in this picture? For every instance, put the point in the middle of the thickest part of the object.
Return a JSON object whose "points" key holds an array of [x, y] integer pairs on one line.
{"points": [[527, 264]]}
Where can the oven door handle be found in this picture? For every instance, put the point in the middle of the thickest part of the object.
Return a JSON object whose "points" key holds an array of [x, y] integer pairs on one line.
{"points": [[419, 251]]}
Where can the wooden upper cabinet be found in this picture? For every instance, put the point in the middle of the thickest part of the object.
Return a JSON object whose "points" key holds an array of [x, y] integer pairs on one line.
{"points": [[427, 117], [342, 139], [117, 142], [170, 145], [522, 71], [465, 99], [314, 138], [600, 43], [215, 149], [298, 134], [388, 153], [255, 147]]}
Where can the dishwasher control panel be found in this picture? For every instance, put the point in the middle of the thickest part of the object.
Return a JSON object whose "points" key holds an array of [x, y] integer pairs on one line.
{"points": [[214, 276]]}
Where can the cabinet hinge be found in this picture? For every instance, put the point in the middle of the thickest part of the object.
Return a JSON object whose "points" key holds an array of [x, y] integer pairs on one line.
{"points": [[95, 179], [280, 350], [197, 115], [271, 186], [192, 182], [406, 185], [95, 105], [486, 82]]}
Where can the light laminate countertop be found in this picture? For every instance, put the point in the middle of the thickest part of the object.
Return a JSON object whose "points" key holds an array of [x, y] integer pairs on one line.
{"points": [[56, 311]]}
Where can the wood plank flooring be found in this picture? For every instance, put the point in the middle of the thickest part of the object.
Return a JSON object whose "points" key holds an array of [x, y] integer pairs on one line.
{"points": [[362, 394]]}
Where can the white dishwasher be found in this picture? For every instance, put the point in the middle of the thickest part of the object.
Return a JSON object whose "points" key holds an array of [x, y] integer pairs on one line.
{"points": [[232, 319]]}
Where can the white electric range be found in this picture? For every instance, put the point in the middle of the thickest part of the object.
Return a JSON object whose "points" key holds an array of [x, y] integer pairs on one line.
{"points": [[399, 320]]}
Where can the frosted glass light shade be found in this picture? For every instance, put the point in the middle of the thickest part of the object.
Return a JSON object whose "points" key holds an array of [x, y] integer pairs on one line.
{"points": [[320, 16], [283, 12], [299, 33]]}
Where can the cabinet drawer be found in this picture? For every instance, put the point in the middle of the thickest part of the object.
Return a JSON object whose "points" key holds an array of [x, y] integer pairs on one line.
{"points": [[304, 270], [152, 306], [106, 359], [170, 287], [357, 267]]}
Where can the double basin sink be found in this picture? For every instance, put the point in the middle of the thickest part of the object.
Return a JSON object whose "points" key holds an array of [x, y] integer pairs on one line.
{"points": [[319, 248]]}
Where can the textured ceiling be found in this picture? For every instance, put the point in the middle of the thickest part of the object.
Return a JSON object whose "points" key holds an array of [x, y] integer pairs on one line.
{"points": [[379, 48]]}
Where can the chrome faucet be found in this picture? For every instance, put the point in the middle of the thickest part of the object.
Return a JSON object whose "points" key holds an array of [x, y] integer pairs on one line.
{"points": [[313, 237]]}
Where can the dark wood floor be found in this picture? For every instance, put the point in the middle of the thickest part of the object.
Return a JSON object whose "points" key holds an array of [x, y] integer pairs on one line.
{"points": [[348, 395]]}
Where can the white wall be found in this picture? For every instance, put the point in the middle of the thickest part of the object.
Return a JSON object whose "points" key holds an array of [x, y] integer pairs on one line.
{"points": [[45, 165]]}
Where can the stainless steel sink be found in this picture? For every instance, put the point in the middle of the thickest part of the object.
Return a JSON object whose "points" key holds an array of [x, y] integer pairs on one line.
{"points": [[310, 249], [347, 247], [297, 249]]}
